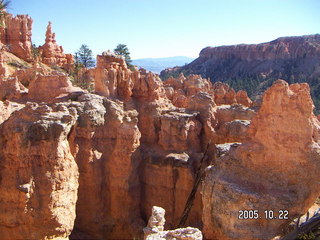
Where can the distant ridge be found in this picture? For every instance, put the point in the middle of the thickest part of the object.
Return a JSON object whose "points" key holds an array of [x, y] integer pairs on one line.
{"points": [[254, 67], [156, 65]]}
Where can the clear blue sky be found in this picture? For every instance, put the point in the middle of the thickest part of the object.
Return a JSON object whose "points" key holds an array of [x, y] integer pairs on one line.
{"points": [[163, 28]]}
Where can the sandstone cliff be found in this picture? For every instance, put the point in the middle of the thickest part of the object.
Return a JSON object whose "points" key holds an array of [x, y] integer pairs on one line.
{"points": [[255, 67]]}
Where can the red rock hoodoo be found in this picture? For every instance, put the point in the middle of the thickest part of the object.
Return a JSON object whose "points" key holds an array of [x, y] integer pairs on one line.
{"points": [[52, 54], [16, 35]]}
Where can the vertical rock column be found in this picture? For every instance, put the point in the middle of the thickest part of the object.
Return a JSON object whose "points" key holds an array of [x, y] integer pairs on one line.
{"points": [[16, 34], [105, 143], [38, 174]]}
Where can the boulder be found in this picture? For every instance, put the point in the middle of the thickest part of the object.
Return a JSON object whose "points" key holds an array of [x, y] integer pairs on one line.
{"points": [[154, 230]]}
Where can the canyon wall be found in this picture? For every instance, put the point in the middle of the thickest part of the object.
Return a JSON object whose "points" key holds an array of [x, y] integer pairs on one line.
{"points": [[254, 67], [284, 57]]}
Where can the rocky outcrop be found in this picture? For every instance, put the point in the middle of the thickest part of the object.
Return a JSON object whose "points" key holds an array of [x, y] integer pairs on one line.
{"points": [[51, 87], [155, 228], [52, 54], [16, 35], [180, 90], [105, 144], [38, 174], [12, 89], [243, 99], [275, 168], [112, 77], [7, 108]]}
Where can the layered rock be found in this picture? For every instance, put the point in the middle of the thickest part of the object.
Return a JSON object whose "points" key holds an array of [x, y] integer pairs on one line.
{"points": [[113, 79], [275, 168], [16, 35], [281, 48], [253, 67], [52, 54], [155, 228], [7, 108], [27, 75], [265, 59], [170, 148]]}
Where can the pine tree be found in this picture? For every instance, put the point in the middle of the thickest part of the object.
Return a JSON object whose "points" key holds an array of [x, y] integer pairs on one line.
{"points": [[123, 50], [84, 56]]}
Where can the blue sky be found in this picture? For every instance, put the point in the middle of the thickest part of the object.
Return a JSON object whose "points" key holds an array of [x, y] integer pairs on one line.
{"points": [[163, 28]]}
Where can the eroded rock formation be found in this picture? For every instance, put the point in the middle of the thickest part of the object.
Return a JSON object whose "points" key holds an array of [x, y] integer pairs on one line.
{"points": [[39, 176], [16, 35], [275, 168], [268, 59], [95, 164], [105, 144], [155, 228], [52, 54], [51, 87]]}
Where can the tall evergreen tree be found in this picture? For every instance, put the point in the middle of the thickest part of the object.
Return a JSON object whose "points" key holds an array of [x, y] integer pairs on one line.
{"points": [[84, 56], [123, 50]]}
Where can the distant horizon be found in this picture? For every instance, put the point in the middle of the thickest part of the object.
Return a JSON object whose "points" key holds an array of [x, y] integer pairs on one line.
{"points": [[163, 57], [153, 29]]}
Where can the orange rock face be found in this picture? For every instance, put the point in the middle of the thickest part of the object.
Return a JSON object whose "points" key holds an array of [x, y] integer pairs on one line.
{"points": [[275, 168], [16, 35], [257, 61], [104, 143], [112, 77], [51, 87], [12, 89], [52, 54], [180, 90], [242, 98], [39, 176], [223, 94]]}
